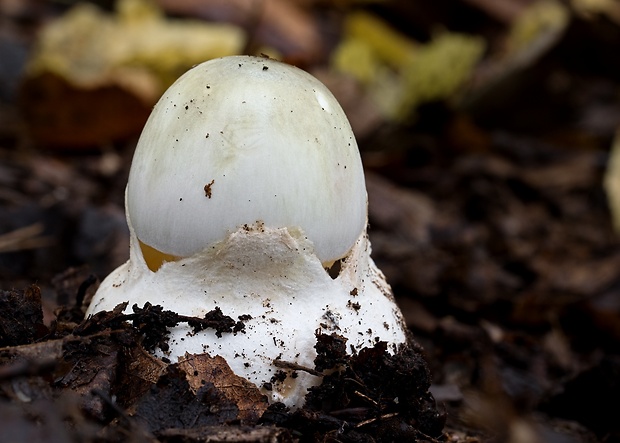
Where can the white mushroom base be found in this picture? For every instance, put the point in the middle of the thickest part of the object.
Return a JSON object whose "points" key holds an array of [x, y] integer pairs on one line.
{"points": [[273, 276]]}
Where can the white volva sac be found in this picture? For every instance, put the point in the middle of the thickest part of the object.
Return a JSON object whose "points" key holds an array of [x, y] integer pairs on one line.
{"points": [[245, 184]]}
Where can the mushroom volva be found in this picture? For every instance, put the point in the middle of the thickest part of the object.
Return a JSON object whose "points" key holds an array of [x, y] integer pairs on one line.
{"points": [[246, 186]]}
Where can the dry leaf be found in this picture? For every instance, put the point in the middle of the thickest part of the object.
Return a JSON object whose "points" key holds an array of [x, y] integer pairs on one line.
{"points": [[279, 24], [202, 368]]}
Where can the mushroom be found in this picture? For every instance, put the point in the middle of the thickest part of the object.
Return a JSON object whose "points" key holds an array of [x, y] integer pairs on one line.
{"points": [[246, 193]]}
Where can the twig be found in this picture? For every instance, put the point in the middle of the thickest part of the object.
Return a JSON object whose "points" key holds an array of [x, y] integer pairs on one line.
{"points": [[294, 366], [372, 420], [365, 397], [24, 238]]}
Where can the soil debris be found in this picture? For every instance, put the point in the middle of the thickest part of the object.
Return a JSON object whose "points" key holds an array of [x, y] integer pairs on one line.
{"points": [[21, 316]]}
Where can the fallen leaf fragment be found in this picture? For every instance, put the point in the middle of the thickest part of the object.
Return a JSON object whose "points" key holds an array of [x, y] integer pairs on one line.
{"points": [[137, 48], [592, 8], [172, 404], [279, 24], [202, 368], [399, 73], [94, 76], [612, 181]]}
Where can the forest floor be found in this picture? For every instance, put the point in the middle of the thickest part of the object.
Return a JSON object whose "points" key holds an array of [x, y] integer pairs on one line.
{"points": [[489, 218]]}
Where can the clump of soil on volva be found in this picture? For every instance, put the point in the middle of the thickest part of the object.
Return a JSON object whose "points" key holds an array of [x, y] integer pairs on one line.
{"points": [[370, 396]]}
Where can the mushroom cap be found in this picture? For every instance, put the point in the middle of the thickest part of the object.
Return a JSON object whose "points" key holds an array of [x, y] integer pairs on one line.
{"points": [[242, 139]]}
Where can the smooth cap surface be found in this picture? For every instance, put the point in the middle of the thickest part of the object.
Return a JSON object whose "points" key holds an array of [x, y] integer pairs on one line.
{"points": [[242, 139]]}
